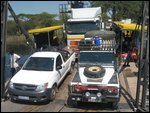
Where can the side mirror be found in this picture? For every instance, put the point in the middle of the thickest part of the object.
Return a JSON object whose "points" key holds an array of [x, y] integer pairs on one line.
{"points": [[58, 67]]}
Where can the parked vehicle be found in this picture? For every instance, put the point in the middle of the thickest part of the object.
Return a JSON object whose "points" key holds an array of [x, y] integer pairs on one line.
{"points": [[82, 21], [40, 76], [97, 77]]}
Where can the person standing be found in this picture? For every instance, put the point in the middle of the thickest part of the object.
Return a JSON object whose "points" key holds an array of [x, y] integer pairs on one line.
{"points": [[128, 58], [13, 62]]}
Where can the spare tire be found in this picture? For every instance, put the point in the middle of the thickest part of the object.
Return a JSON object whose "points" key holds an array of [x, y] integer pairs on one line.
{"points": [[105, 35], [94, 71]]}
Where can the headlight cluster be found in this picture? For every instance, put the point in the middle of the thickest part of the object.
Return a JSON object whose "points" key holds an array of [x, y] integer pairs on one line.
{"points": [[99, 94], [11, 85], [87, 94], [41, 87], [112, 90]]}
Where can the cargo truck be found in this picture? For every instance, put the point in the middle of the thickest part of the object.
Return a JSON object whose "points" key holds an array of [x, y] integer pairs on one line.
{"points": [[82, 20]]}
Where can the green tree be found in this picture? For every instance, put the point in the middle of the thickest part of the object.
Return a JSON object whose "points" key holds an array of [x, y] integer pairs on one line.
{"points": [[12, 28], [64, 17], [118, 10], [32, 21], [39, 20]]}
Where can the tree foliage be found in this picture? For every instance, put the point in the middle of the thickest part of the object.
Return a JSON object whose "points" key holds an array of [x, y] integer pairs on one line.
{"points": [[118, 10], [12, 28], [32, 21]]}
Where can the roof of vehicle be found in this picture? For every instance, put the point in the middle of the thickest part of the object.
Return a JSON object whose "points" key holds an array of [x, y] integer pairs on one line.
{"points": [[97, 44], [86, 12], [45, 54], [103, 34], [45, 29], [132, 26], [83, 20]]}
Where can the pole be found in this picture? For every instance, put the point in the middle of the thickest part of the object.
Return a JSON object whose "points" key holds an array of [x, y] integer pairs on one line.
{"points": [[48, 41], [4, 10], [22, 29]]}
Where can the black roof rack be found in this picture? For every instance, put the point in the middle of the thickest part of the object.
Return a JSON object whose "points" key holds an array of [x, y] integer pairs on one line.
{"points": [[105, 45]]}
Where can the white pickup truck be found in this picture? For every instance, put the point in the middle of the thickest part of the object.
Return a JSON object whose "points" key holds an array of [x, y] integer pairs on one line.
{"points": [[40, 76]]}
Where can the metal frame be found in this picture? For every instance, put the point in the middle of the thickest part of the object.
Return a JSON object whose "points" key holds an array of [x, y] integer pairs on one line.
{"points": [[4, 11], [5, 6], [143, 73], [143, 67]]}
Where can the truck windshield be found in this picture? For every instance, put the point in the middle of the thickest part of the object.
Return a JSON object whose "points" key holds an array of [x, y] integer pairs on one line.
{"points": [[97, 57], [80, 27], [39, 64]]}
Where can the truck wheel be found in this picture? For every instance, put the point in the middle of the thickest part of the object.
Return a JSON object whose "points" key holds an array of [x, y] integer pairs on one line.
{"points": [[114, 105], [71, 103], [11, 99], [53, 93], [94, 71]]}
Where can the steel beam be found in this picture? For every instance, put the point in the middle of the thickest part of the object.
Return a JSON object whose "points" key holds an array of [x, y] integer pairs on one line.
{"points": [[4, 7]]}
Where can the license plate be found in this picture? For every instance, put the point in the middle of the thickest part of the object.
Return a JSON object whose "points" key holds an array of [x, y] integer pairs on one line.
{"points": [[94, 99], [23, 97]]}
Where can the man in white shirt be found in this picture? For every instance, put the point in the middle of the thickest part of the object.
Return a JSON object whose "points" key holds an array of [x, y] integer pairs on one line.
{"points": [[13, 62]]}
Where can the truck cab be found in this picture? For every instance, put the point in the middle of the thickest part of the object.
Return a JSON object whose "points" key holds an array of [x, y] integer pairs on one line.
{"points": [[82, 21]]}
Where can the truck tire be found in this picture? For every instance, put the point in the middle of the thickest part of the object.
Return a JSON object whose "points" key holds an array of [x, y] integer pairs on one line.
{"points": [[53, 93], [94, 71], [12, 100], [71, 103], [114, 105]]}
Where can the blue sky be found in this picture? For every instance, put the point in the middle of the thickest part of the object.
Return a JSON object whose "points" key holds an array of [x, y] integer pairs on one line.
{"points": [[36, 7]]}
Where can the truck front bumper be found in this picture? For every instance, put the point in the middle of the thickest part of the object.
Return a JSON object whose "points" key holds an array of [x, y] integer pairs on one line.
{"points": [[31, 96], [93, 98]]}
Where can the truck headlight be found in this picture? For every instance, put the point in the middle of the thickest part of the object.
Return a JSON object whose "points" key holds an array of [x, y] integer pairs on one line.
{"points": [[110, 90], [99, 94], [41, 87], [87, 94], [11, 85]]}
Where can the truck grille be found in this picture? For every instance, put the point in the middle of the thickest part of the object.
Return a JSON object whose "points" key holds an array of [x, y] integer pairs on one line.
{"points": [[25, 87]]}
